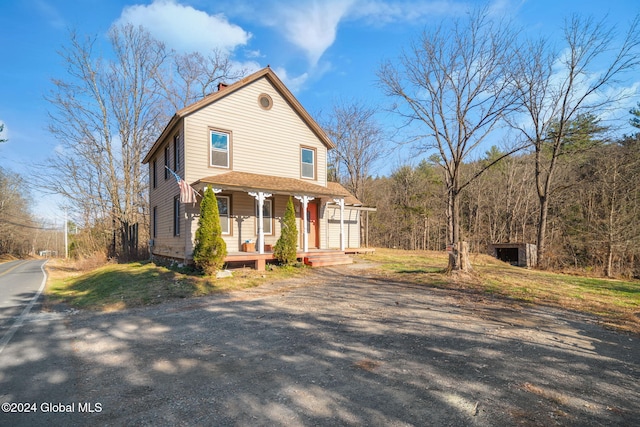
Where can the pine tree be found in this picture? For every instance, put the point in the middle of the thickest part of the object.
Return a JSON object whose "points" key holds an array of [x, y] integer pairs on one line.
{"points": [[210, 249], [285, 249], [635, 121]]}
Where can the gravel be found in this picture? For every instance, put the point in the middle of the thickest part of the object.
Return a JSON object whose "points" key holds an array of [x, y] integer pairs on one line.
{"points": [[340, 347]]}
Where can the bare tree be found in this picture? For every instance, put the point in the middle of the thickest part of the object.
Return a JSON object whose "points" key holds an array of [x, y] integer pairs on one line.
{"points": [[191, 76], [17, 226], [452, 85], [555, 87], [359, 143], [105, 116]]}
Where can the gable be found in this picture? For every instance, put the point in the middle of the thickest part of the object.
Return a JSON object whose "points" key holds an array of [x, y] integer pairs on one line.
{"points": [[263, 141], [265, 75]]}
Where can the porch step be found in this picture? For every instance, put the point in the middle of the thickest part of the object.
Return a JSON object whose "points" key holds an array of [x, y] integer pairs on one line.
{"points": [[323, 260]]}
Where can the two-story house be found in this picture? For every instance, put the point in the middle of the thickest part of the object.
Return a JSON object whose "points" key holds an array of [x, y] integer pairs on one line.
{"points": [[255, 145]]}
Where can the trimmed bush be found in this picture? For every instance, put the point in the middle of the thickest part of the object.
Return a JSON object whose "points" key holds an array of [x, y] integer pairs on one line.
{"points": [[285, 249], [210, 249]]}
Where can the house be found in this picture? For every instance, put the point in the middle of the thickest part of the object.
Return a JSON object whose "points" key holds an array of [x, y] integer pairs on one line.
{"points": [[256, 146]]}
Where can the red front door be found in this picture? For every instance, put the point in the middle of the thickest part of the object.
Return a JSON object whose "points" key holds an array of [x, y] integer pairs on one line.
{"points": [[313, 226]]}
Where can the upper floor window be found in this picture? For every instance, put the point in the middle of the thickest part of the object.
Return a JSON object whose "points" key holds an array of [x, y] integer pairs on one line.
{"points": [[166, 162], [176, 153], [154, 173], [308, 163], [220, 149]]}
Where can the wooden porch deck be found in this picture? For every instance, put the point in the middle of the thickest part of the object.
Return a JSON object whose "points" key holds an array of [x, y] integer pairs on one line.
{"points": [[313, 258]]}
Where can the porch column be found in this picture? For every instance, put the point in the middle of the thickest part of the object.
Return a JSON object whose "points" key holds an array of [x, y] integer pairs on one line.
{"points": [[340, 203], [260, 196], [305, 236]]}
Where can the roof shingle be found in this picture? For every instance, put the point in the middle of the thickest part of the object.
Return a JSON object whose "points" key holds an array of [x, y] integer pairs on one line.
{"points": [[244, 181]]}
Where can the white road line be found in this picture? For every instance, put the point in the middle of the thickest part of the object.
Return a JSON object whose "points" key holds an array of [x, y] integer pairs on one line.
{"points": [[20, 320]]}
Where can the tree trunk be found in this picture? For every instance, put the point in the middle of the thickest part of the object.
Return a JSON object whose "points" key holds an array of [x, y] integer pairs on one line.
{"points": [[459, 259], [459, 255], [542, 231]]}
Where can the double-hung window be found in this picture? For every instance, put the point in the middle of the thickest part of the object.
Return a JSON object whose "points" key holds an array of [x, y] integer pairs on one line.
{"points": [[220, 149], [267, 215], [154, 173], [155, 222], [176, 216], [176, 153], [166, 162], [308, 163], [223, 211]]}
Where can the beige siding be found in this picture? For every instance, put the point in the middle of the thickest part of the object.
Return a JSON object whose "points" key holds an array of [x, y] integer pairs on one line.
{"points": [[165, 243], [351, 227], [243, 221], [263, 141]]}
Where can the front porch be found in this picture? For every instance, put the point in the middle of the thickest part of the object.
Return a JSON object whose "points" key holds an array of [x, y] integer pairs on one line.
{"points": [[313, 257]]}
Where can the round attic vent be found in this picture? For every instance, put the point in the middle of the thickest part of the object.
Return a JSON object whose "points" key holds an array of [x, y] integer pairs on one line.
{"points": [[265, 101]]}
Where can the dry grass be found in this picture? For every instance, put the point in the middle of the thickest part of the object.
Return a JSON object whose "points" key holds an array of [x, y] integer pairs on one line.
{"points": [[118, 286], [7, 258], [366, 364], [616, 302], [545, 393]]}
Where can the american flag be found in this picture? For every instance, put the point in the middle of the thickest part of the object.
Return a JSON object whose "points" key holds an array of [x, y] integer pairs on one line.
{"points": [[187, 194]]}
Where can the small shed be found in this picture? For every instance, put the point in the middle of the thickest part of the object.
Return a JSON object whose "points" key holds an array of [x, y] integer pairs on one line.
{"points": [[519, 254]]}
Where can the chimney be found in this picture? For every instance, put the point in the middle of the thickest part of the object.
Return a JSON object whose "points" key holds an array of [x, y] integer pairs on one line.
{"points": [[222, 86]]}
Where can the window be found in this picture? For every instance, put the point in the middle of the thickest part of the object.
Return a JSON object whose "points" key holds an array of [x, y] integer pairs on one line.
{"points": [[166, 162], [176, 150], [265, 101], [176, 216], [308, 165], [267, 215], [155, 222], [219, 149], [223, 211], [154, 173]]}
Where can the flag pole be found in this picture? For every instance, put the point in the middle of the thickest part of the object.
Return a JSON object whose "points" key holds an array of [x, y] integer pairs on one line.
{"points": [[178, 179]]}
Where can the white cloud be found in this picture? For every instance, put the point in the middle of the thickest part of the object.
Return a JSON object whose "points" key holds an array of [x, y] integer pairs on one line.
{"points": [[51, 14], [253, 54], [313, 26], [184, 28], [294, 84]]}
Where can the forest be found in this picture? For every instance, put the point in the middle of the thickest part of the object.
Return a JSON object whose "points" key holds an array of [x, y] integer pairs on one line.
{"points": [[507, 140], [594, 218]]}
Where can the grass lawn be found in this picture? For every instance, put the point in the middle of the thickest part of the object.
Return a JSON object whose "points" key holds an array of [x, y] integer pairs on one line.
{"points": [[616, 302], [118, 286]]}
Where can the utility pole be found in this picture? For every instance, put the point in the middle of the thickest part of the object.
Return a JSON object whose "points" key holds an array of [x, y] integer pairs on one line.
{"points": [[66, 245]]}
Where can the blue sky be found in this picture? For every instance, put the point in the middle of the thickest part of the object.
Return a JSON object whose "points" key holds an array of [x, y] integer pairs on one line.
{"points": [[323, 50]]}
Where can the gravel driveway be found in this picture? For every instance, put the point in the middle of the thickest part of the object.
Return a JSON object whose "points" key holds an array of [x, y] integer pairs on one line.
{"points": [[343, 348]]}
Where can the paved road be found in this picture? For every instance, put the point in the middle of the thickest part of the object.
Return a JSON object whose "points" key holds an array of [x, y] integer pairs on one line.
{"points": [[34, 356], [21, 283]]}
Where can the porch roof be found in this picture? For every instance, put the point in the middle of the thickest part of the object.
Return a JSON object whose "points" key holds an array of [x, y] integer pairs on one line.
{"points": [[244, 181]]}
